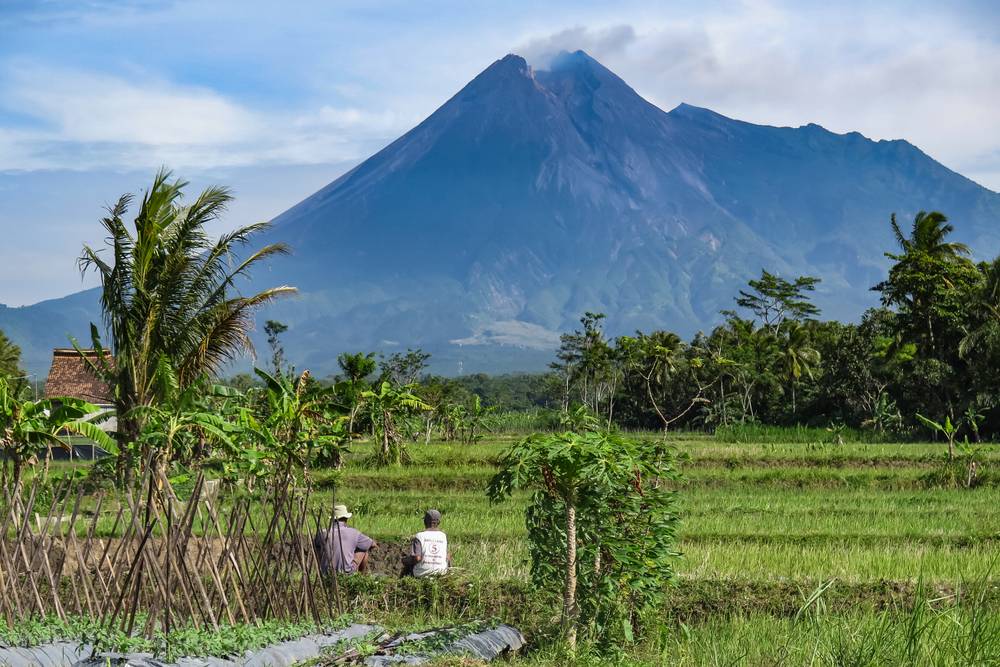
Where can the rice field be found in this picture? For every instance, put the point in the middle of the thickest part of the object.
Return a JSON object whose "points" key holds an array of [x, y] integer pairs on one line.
{"points": [[764, 524], [861, 513], [792, 552]]}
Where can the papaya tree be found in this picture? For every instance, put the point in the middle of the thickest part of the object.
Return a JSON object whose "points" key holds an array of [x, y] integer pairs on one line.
{"points": [[601, 525]]}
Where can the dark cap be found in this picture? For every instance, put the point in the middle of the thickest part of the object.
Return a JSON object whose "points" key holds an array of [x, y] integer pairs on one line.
{"points": [[432, 516]]}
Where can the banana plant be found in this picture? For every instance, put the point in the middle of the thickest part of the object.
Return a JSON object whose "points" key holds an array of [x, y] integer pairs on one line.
{"points": [[387, 406], [946, 428], [28, 427], [186, 423], [294, 423]]}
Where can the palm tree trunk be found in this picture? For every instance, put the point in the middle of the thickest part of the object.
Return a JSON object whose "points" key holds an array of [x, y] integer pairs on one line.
{"points": [[128, 432]]}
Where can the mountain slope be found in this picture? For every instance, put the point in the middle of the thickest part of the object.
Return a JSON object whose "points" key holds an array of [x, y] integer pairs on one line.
{"points": [[532, 196]]}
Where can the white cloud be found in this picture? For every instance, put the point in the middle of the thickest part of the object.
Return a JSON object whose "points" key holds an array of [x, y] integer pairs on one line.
{"points": [[88, 107], [874, 68], [87, 120], [600, 42], [882, 74]]}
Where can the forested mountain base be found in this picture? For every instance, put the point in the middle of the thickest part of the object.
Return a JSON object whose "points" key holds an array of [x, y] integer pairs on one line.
{"points": [[924, 364]]}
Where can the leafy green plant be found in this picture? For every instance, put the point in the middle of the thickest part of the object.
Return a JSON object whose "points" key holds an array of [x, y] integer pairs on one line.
{"points": [[387, 406], [294, 422], [580, 420], [601, 525], [28, 427], [886, 417], [466, 422], [184, 425], [945, 428]]}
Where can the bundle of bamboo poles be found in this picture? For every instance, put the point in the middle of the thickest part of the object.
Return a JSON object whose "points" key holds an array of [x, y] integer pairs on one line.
{"points": [[142, 560]]}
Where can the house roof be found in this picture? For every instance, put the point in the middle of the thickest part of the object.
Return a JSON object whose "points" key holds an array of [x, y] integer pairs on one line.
{"points": [[70, 376]]}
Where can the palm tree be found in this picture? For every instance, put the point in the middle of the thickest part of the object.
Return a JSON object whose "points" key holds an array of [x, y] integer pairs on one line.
{"points": [[355, 368], [798, 356], [928, 270], [10, 357], [928, 236], [985, 333], [168, 290]]}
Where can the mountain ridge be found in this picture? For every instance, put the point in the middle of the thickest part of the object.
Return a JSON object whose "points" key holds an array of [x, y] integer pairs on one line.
{"points": [[531, 196]]}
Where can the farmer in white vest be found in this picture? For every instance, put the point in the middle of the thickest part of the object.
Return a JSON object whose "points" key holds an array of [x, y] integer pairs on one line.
{"points": [[429, 548]]}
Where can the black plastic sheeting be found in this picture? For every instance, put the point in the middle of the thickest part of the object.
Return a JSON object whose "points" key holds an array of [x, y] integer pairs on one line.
{"points": [[283, 654], [485, 645], [54, 654]]}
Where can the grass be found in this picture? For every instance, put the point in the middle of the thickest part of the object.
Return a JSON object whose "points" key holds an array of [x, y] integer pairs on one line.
{"points": [[860, 512], [955, 637], [756, 433], [764, 522]]}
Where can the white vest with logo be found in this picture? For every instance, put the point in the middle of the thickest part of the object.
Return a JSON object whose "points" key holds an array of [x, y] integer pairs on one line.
{"points": [[434, 545]]}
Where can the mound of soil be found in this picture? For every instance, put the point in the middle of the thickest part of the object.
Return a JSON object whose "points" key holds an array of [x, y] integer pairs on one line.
{"points": [[387, 558]]}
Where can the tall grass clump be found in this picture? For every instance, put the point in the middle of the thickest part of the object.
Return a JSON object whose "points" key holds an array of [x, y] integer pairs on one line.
{"points": [[963, 629]]}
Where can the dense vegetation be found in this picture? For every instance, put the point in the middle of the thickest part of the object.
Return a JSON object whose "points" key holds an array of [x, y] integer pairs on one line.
{"points": [[791, 551], [792, 530], [929, 355]]}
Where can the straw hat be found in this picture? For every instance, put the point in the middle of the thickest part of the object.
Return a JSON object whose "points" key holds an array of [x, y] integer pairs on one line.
{"points": [[340, 512]]}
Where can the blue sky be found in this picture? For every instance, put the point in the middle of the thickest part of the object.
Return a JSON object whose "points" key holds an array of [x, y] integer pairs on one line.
{"points": [[277, 99]]}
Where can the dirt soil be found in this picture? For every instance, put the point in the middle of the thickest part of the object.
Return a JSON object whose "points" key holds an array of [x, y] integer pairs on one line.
{"points": [[387, 558]]}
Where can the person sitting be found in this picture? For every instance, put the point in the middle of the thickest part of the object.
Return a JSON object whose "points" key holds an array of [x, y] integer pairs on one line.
{"points": [[341, 546], [429, 553]]}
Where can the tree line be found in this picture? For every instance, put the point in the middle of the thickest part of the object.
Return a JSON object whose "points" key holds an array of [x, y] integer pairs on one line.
{"points": [[924, 360], [927, 355]]}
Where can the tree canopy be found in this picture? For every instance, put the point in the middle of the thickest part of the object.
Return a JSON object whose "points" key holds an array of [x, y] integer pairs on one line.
{"points": [[169, 292]]}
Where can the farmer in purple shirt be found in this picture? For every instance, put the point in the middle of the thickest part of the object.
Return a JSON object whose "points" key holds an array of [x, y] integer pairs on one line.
{"points": [[342, 546]]}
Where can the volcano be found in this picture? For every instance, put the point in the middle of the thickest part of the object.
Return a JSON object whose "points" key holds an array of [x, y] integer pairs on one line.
{"points": [[532, 196]]}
